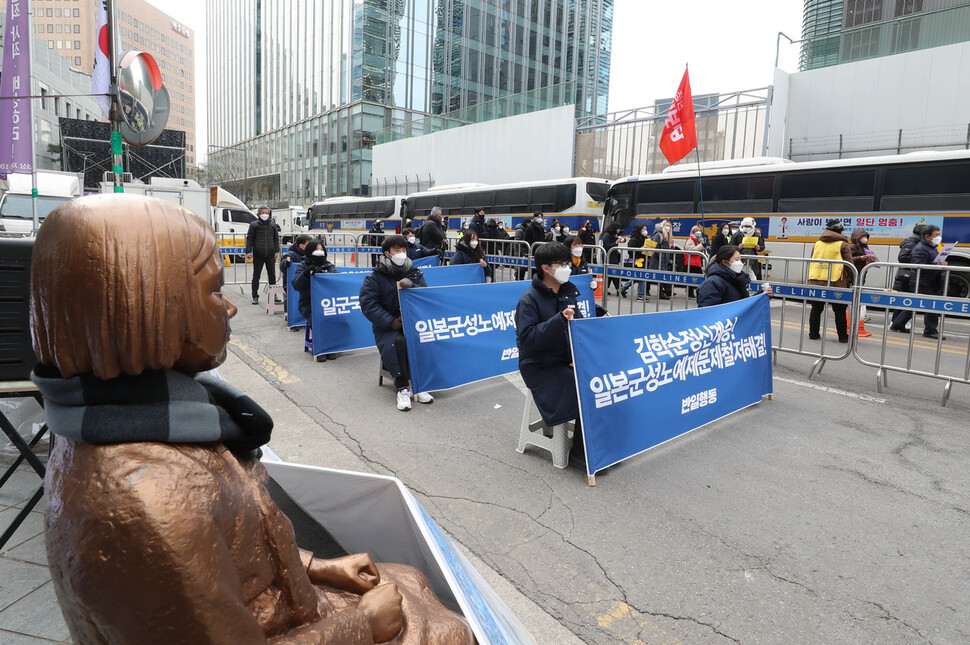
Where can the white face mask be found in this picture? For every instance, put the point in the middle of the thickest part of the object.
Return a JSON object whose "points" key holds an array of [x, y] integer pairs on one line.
{"points": [[538, 221], [562, 275], [399, 258], [264, 216], [411, 240], [577, 251], [473, 244], [936, 240], [319, 253], [555, 228], [565, 231], [726, 231], [737, 266]]}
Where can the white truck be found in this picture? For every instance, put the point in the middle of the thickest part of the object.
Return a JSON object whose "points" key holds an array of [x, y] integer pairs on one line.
{"points": [[292, 221], [53, 189]]}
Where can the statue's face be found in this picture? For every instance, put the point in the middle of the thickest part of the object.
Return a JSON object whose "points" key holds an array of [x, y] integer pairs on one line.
{"points": [[216, 310]]}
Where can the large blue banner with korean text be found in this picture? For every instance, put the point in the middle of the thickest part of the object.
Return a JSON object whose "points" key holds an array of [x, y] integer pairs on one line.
{"points": [[460, 335], [427, 261], [338, 323], [293, 316], [645, 379]]}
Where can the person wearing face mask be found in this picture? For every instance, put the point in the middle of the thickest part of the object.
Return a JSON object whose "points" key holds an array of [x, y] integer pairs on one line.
{"points": [[541, 330], [662, 239], [723, 237], [726, 279], [380, 305], [928, 282], [610, 240], [534, 231], [315, 261], [831, 245], [694, 262], [748, 228], [564, 232], [578, 264], [415, 250], [263, 246], [292, 257], [636, 241], [555, 231], [432, 232], [469, 251]]}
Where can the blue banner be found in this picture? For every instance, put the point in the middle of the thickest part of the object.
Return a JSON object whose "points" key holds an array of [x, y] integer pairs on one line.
{"points": [[916, 302], [587, 287], [460, 335], [293, 316], [428, 261], [645, 379], [338, 323]]}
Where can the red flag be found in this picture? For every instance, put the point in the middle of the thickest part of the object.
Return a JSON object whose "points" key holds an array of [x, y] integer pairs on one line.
{"points": [[680, 135]]}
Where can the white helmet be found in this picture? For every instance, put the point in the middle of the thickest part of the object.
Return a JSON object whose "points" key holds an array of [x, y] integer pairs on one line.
{"points": [[747, 225]]}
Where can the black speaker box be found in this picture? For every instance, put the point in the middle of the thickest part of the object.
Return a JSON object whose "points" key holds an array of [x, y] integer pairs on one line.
{"points": [[17, 356]]}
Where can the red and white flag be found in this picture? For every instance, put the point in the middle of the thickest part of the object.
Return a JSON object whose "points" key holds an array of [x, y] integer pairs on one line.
{"points": [[101, 75], [680, 134]]}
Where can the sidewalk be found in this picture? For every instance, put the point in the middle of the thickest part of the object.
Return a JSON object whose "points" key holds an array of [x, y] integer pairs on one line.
{"points": [[28, 607]]}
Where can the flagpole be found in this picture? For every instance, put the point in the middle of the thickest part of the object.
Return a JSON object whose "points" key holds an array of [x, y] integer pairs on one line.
{"points": [[114, 116], [700, 184]]}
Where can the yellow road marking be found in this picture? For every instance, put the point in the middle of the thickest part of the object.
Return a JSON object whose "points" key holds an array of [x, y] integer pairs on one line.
{"points": [[267, 364], [627, 624]]}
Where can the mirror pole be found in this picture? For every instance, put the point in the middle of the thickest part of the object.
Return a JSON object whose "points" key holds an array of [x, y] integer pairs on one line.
{"points": [[117, 161]]}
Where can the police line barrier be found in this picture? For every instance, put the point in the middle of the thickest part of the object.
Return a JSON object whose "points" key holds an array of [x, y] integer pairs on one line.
{"points": [[900, 307], [647, 378], [237, 271], [341, 248], [464, 334], [338, 323], [789, 278], [634, 271]]}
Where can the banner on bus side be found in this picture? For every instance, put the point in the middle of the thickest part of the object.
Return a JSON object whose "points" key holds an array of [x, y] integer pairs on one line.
{"points": [[644, 379], [338, 323], [879, 225]]}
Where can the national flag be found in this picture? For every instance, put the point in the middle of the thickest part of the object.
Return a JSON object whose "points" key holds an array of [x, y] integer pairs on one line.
{"points": [[680, 133], [101, 75]]}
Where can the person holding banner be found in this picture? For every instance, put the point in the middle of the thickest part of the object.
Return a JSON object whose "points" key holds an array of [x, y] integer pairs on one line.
{"points": [[380, 304], [469, 251], [726, 280], [416, 251], [316, 262], [541, 332]]}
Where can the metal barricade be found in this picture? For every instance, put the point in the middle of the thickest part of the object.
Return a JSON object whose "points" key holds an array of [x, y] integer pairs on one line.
{"points": [[510, 259], [237, 269], [794, 297], [931, 357], [341, 248], [367, 250], [636, 270]]}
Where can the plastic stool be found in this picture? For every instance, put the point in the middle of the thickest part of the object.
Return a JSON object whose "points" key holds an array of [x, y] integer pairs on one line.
{"points": [[533, 433], [382, 373], [274, 291]]}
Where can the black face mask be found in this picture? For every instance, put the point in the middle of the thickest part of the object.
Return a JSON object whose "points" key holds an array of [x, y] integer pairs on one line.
{"points": [[316, 259]]}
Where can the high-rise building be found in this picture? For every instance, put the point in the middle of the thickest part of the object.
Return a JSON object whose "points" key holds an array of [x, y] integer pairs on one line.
{"points": [[70, 29], [297, 89], [842, 31]]}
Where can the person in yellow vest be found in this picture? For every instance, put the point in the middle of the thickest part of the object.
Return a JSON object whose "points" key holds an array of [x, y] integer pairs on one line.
{"points": [[831, 245]]}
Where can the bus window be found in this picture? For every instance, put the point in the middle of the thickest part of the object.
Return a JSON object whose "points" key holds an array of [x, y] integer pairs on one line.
{"points": [[827, 191], [936, 187], [662, 197], [617, 208], [480, 199], [743, 194], [512, 200], [565, 197], [542, 199], [450, 204], [597, 191]]}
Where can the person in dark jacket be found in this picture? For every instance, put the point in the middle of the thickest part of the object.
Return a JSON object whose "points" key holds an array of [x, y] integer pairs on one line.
{"points": [[577, 263], [726, 279], [495, 231], [541, 331], [901, 282], [374, 237], [432, 233], [469, 251], [859, 247], [534, 232], [263, 246], [315, 262], [294, 255], [926, 281], [554, 232], [723, 237], [636, 241], [831, 245], [663, 238], [588, 236], [477, 225], [416, 251], [610, 240], [748, 229], [380, 305]]}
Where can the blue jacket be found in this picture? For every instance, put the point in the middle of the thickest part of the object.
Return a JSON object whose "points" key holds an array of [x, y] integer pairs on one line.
{"points": [[930, 282], [722, 285], [580, 269], [544, 352], [301, 282], [465, 255], [380, 304], [293, 255], [417, 251]]}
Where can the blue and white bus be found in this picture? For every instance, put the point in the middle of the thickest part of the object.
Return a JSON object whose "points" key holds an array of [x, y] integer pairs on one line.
{"points": [[354, 214]]}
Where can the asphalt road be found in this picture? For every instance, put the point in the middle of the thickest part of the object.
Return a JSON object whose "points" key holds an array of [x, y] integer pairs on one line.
{"points": [[832, 513]]}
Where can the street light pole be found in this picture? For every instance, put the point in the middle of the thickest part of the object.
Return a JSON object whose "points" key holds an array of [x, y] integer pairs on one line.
{"points": [[117, 161]]}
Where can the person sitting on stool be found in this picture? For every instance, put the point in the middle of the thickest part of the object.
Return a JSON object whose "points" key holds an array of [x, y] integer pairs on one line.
{"points": [[380, 304], [541, 333], [316, 262]]}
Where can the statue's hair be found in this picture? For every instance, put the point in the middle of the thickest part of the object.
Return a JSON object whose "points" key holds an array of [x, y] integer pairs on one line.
{"points": [[113, 287]]}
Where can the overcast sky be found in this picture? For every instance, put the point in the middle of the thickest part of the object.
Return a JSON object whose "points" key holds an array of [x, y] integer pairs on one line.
{"points": [[729, 45]]}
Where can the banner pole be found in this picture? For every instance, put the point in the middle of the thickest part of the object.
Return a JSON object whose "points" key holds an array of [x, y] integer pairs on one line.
{"points": [[35, 216], [700, 184]]}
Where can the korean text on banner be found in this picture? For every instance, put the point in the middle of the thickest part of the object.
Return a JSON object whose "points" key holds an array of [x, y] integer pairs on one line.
{"points": [[338, 323], [645, 379], [586, 283], [293, 316], [460, 335], [15, 120]]}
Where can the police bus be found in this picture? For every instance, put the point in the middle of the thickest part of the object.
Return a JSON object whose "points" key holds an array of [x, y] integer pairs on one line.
{"points": [[354, 214], [573, 201], [790, 202]]}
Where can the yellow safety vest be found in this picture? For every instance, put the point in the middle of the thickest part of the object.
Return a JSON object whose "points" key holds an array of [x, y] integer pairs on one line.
{"points": [[826, 251]]}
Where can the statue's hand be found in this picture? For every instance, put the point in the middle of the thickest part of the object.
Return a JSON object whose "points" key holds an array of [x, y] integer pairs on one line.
{"points": [[382, 608], [354, 573]]}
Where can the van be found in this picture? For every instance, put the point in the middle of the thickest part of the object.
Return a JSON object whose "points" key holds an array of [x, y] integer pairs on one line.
{"points": [[53, 189]]}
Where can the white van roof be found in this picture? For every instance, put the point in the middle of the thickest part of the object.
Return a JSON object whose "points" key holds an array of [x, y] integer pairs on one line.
{"points": [[50, 183], [225, 199]]}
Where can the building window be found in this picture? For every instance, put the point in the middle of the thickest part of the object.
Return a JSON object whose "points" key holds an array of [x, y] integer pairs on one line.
{"points": [[77, 13], [57, 13], [77, 61], [77, 29], [50, 28], [77, 44], [862, 12]]}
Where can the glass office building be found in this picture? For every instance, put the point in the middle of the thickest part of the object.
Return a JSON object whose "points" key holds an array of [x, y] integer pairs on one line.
{"points": [[297, 89], [842, 31]]}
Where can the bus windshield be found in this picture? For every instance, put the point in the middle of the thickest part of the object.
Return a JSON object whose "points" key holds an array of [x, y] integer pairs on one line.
{"points": [[19, 206]]}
